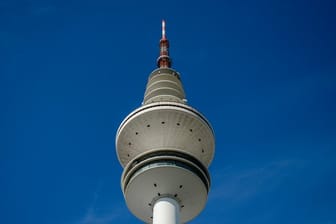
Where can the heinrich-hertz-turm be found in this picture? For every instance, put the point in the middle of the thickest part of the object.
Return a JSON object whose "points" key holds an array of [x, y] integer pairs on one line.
{"points": [[165, 147]]}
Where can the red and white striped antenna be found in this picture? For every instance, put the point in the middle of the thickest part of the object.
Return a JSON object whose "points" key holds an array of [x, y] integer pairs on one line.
{"points": [[164, 60]]}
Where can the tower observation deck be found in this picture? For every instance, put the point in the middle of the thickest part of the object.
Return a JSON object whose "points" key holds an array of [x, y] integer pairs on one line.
{"points": [[165, 148]]}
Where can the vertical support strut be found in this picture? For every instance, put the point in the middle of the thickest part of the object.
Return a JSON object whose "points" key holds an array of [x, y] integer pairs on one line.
{"points": [[166, 211]]}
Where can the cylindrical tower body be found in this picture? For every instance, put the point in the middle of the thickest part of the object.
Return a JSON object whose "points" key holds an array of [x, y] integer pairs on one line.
{"points": [[165, 147], [166, 211]]}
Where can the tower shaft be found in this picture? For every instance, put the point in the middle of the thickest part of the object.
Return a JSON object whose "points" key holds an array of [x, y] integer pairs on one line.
{"points": [[166, 211]]}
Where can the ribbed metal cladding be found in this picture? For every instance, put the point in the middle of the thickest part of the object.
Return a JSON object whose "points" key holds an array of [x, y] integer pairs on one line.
{"points": [[164, 84]]}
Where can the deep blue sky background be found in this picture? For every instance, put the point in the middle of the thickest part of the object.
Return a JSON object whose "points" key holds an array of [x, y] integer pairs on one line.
{"points": [[263, 73]]}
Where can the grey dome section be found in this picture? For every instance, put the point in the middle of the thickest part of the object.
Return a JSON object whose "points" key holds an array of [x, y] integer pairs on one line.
{"points": [[163, 126], [164, 85]]}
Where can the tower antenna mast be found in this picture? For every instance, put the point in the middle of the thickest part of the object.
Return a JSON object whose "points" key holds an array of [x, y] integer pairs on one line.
{"points": [[164, 60]]}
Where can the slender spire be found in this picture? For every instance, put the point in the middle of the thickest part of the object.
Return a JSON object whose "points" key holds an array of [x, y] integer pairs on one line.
{"points": [[163, 29], [163, 60]]}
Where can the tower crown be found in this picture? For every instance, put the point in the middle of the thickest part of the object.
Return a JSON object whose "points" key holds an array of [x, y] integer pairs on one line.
{"points": [[164, 83]]}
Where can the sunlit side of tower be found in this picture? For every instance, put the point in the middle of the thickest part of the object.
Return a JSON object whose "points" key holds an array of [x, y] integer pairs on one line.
{"points": [[165, 147]]}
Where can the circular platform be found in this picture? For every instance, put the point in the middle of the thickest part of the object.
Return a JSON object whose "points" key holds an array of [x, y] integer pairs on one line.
{"points": [[148, 178], [160, 126]]}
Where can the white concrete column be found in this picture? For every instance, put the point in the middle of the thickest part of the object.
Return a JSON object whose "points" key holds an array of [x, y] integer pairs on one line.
{"points": [[166, 211]]}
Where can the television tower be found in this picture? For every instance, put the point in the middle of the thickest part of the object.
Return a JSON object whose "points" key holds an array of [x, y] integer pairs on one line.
{"points": [[165, 148]]}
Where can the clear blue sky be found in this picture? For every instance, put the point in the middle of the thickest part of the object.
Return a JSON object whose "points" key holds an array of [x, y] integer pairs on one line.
{"points": [[263, 72]]}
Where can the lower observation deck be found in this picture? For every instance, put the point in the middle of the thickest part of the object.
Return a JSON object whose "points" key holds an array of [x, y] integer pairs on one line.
{"points": [[166, 174]]}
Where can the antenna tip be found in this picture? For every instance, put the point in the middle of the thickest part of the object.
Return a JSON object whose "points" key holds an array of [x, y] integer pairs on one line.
{"points": [[163, 29]]}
